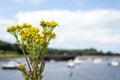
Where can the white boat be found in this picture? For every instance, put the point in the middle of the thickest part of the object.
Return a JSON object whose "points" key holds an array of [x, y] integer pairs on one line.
{"points": [[70, 63], [78, 61], [10, 65], [97, 60], [52, 60], [114, 63]]}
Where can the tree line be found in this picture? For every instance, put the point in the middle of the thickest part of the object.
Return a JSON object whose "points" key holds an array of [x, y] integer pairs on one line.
{"points": [[8, 47]]}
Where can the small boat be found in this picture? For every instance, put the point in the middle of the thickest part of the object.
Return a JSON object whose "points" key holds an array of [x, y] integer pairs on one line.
{"points": [[70, 63], [78, 61], [52, 60], [10, 65], [114, 63], [97, 60]]}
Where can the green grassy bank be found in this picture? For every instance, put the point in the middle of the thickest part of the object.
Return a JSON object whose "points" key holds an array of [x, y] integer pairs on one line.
{"points": [[9, 54]]}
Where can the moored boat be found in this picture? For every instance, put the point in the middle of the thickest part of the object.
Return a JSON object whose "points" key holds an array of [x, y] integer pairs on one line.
{"points": [[70, 63], [10, 65], [97, 60], [114, 63]]}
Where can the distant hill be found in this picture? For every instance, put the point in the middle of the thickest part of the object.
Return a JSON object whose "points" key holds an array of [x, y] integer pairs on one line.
{"points": [[4, 46]]}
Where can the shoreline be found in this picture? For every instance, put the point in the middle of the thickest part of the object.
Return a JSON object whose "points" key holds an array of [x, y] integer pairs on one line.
{"points": [[98, 57], [61, 58]]}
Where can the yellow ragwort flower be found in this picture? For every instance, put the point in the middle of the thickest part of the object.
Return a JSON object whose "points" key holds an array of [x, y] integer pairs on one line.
{"points": [[45, 32], [53, 24], [25, 25], [12, 28], [43, 23], [53, 35], [21, 66]]}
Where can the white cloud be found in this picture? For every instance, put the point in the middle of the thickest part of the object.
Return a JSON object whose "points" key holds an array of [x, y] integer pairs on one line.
{"points": [[80, 29], [4, 23]]}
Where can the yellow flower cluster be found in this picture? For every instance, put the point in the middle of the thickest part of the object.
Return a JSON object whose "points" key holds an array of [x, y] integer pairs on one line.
{"points": [[29, 32], [21, 66], [31, 36], [53, 35], [49, 24], [12, 28], [17, 27]]}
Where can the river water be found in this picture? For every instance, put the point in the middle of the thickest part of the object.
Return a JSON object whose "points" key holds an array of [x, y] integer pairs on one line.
{"points": [[59, 71]]}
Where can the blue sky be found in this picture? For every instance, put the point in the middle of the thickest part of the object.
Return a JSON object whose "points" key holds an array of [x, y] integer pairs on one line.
{"points": [[83, 23], [10, 7]]}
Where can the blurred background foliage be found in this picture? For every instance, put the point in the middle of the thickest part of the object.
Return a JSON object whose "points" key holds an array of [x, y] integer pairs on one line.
{"points": [[12, 50]]}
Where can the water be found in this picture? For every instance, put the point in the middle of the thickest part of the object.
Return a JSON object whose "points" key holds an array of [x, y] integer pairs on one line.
{"points": [[59, 71]]}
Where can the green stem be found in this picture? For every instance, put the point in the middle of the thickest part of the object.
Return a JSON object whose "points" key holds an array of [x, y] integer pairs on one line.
{"points": [[26, 58], [22, 50]]}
